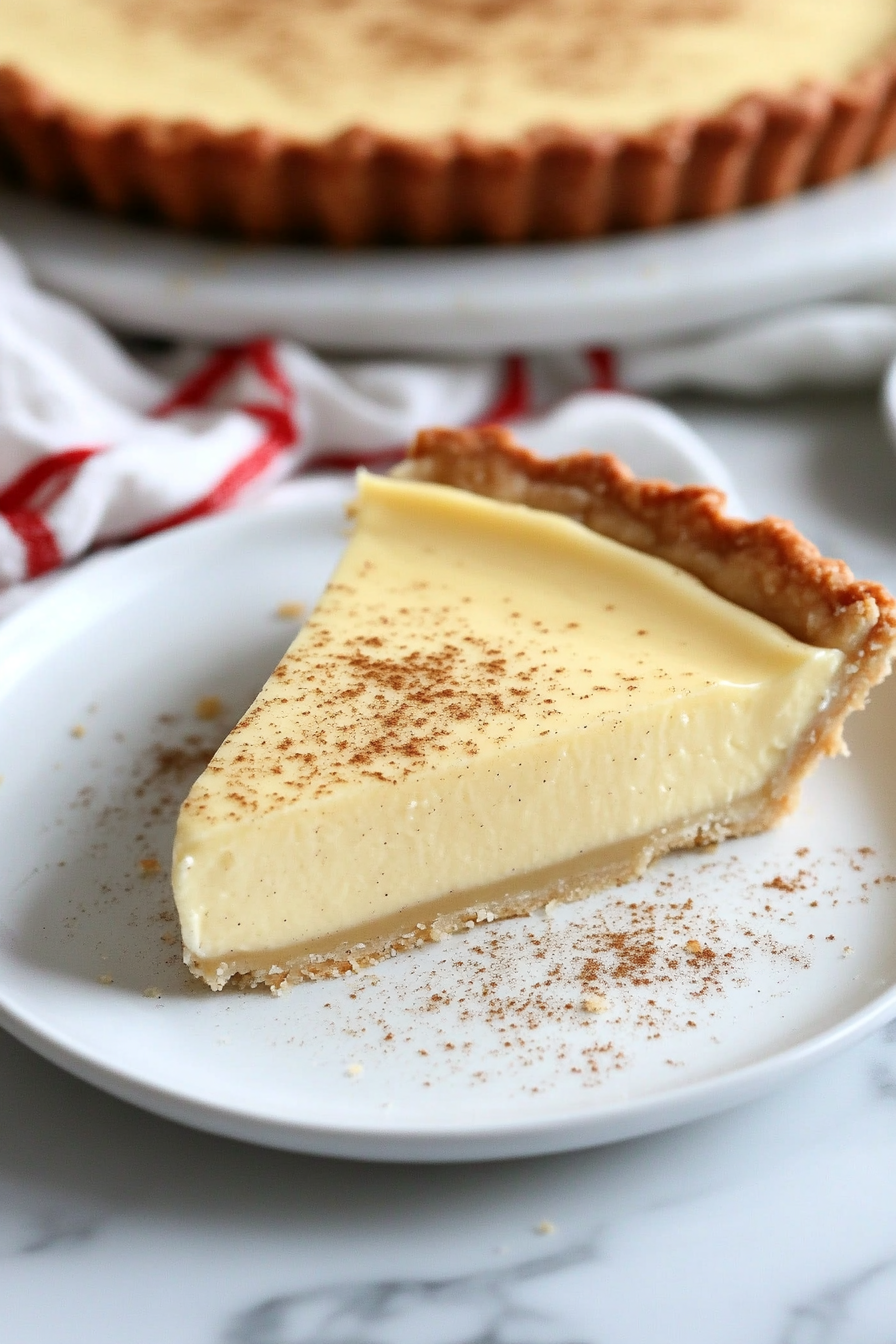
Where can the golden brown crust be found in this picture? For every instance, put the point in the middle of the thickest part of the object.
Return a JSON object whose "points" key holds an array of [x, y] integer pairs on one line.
{"points": [[363, 187], [767, 567]]}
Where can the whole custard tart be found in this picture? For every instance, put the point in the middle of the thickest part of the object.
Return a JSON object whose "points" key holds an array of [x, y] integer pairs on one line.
{"points": [[356, 121]]}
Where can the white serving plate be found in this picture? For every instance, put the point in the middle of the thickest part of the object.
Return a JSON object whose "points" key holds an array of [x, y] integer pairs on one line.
{"points": [[124, 649], [623, 290]]}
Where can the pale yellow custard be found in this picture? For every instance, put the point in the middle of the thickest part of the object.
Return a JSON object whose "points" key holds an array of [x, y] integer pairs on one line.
{"points": [[418, 68], [488, 700]]}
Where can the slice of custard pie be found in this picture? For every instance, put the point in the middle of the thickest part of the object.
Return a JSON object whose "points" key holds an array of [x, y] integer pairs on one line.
{"points": [[525, 681]]}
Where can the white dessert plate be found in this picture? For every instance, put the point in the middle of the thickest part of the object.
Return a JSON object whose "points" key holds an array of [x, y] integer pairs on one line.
{"points": [[722, 973], [624, 290]]}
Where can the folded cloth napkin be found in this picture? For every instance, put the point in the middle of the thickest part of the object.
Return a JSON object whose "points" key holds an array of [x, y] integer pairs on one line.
{"points": [[101, 445]]}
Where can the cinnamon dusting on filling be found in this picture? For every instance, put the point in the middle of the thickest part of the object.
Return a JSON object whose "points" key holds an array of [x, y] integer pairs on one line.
{"points": [[594, 40], [412, 683], [426, 68]]}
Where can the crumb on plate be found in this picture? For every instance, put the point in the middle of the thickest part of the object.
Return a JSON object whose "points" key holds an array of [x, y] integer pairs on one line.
{"points": [[208, 707]]}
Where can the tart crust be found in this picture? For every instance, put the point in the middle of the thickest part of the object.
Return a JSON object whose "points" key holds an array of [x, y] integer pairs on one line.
{"points": [[767, 567], [364, 187]]}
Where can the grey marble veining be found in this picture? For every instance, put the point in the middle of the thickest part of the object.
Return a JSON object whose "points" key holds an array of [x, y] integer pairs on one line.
{"points": [[772, 1224], [776, 1222], [483, 1307], [858, 1310]]}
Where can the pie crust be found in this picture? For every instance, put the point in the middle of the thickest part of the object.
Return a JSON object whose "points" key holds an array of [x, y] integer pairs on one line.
{"points": [[766, 567], [364, 187]]}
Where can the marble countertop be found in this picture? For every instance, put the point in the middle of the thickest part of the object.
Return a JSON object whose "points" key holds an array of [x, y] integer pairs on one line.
{"points": [[772, 1224]]}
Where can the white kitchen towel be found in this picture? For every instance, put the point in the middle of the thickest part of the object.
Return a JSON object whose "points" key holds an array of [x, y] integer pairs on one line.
{"points": [[98, 446]]}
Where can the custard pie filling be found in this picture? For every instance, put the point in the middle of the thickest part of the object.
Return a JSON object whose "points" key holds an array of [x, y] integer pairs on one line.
{"points": [[488, 699], [309, 69]]}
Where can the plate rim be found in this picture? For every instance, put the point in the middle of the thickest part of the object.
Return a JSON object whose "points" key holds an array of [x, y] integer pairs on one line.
{"points": [[381, 1139], [618, 289], [440, 1144]]}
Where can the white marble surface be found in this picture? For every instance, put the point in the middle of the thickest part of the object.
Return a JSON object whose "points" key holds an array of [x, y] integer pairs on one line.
{"points": [[774, 1224]]}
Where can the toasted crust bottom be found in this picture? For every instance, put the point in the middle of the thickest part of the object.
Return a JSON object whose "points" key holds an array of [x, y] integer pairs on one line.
{"points": [[361, 187], [360, 948], [766, 567]]}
